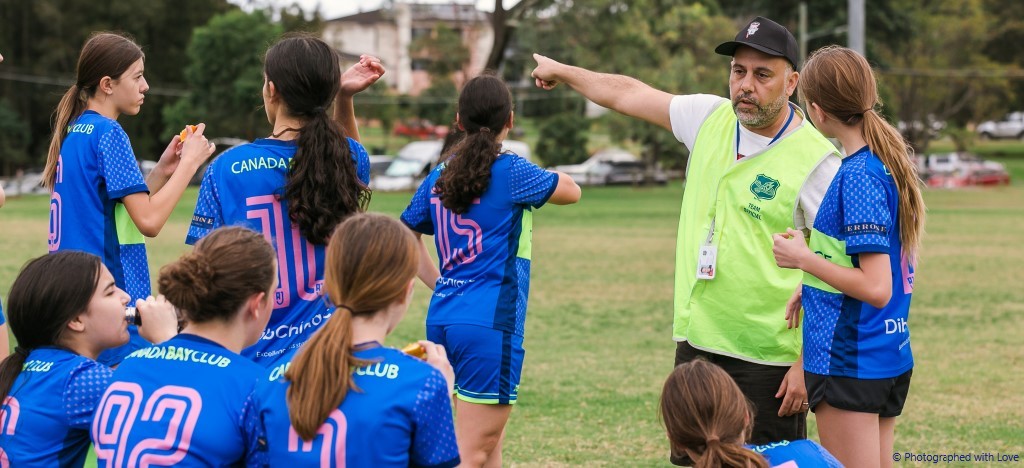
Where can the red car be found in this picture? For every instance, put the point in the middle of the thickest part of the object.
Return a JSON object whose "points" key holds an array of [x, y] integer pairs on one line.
{"points": [[421, 129]]}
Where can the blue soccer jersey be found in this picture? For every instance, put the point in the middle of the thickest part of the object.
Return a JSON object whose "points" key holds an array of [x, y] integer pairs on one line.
{"points": [[400, 416], [797, 454], [180, 403], [2, 318], [96, 169], [45, 419], [484, 253], [244, 187], [844, 336]]}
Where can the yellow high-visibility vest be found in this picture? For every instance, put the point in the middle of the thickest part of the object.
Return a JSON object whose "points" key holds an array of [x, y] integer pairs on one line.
{"points": [[741, 312]]}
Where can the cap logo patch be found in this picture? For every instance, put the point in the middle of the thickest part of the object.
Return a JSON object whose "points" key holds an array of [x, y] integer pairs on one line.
{"points": [[752, 28]]}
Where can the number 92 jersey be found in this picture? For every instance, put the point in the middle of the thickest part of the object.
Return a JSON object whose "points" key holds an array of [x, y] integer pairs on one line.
{"points": [[181, 403]]}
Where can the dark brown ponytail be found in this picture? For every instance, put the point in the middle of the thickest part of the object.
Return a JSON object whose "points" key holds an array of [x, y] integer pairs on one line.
{"points": [[322, 187], [485, 107]]}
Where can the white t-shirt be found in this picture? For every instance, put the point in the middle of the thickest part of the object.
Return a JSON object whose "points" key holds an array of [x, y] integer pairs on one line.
{"points": [[688, 112]]}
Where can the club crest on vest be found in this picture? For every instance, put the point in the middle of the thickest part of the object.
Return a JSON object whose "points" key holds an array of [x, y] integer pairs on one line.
{"points": [[764, 187]]}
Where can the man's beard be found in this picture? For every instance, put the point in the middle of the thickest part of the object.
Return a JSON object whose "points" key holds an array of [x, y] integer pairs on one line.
{"points": [[762, 116]]}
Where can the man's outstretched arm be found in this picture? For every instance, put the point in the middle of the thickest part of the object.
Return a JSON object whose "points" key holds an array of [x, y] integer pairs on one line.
{"points": [[620, 93]]}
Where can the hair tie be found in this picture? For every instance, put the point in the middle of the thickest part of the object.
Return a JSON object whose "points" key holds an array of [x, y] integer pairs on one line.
{"points": [[485, 130], [349, 309], [712, 440], [22, 351], [318, 109]]}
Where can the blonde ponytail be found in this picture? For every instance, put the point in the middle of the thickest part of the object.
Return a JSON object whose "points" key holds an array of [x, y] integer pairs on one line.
{"points": [[887, 143], [370, 261], [842, 83]]}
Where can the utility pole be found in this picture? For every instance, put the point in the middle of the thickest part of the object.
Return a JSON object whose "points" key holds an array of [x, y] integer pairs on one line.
{"points": [[856, 25]]}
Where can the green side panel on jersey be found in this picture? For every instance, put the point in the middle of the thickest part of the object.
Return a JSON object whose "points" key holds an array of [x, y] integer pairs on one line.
{"points": [[526, 236], [127, 232], [834, 250]]}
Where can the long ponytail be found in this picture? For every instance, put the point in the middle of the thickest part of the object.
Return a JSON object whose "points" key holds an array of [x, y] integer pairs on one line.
{"points": [[72, 105], [485, 107], [886, 142], [371, 260], [104, 54], [322, 188], [843, 84]]}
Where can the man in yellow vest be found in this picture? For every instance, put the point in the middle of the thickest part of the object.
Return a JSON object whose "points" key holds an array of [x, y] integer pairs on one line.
{"points": [[756, 167]]}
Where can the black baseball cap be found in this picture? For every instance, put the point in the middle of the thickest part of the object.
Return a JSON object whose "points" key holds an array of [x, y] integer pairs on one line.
{"points": [[766, 36]]}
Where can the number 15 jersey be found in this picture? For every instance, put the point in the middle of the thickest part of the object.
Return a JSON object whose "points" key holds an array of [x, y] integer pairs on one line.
{"points": [[485, 252]]}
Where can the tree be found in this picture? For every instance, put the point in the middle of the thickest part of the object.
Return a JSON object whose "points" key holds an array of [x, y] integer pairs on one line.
{"points": [[563, 139], [14, 137], [41, 39], [671, 47], [225, 75], [939, 74], [444, 51], [504, 23]]}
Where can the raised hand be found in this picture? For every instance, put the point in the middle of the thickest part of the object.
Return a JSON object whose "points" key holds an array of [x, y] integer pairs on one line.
{"points": [[360, 76]]}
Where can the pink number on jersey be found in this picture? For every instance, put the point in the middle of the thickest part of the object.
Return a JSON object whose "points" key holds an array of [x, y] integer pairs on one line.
{"points": [[121, 402], [452, 256], [272, 226], [334, 431], [9, 413], [186, 404]]}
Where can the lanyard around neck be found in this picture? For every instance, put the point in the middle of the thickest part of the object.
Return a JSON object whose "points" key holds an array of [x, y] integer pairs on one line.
{"points": [[777, 135]]}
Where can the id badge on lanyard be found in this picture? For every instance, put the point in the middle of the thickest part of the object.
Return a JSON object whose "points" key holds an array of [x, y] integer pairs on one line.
{"points": [[707, 257]]}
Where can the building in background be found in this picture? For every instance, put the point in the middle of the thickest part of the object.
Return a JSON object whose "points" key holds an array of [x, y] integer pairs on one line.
{"points": [[388, 33]]}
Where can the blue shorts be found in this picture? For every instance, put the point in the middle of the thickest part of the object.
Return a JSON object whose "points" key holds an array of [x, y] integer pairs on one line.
{"points": [[488, 363]]}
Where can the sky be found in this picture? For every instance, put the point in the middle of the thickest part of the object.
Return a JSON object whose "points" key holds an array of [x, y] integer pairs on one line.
{"points": [[335, 8]]}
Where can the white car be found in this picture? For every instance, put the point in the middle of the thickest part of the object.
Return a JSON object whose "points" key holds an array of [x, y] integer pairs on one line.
{"points": [[415, 160], [612, 166], [1012, 126]]}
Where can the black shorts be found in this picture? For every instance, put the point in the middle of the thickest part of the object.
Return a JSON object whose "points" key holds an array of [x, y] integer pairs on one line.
{"points": [[884, 397]]}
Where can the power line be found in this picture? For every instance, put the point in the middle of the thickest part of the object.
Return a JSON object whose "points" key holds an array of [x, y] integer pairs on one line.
{"points": [[954, 73], [65, 83]]}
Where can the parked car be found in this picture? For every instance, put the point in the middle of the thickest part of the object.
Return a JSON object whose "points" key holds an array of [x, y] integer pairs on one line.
{"points": [[931, 126], [1011, 126], [412, 164], [421, 129], [416, 159], [613, 166], [29, 183], [960, 169], [379, 164]]}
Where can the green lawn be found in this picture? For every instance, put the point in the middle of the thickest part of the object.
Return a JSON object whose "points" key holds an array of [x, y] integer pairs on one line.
{"points": [[598, 337]]}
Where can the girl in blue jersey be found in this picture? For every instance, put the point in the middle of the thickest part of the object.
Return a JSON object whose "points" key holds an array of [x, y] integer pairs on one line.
{"points": [[64, 309], [478, 206], [183, 402], [295, 186], [709, 420], [859, 267], [346, 400], [100, 203]]}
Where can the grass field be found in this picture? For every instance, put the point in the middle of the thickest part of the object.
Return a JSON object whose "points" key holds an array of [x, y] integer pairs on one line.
{"points": [[598, 335]]}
